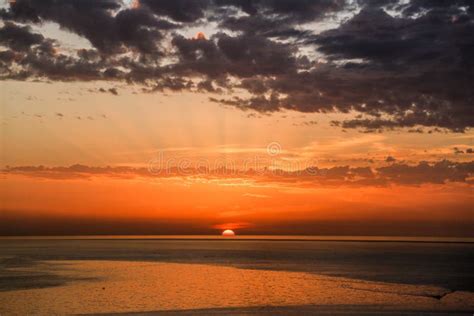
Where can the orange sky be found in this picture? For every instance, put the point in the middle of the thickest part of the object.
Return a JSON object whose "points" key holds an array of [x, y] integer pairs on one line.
{"points": [[82, 154], [163, 131]]}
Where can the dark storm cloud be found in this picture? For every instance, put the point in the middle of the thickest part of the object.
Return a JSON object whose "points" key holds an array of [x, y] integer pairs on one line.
{"points": [[399, 64], [299, 10], [179, 10], [422, 70], [32, 55], [270, 27], [277, 18], [96, 21], [242, 56], [88, 18], [416, 71], [19, 37], [254, 55]]}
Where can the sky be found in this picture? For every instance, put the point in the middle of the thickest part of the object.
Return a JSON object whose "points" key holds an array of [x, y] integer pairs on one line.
{"points": [[322, 117]]}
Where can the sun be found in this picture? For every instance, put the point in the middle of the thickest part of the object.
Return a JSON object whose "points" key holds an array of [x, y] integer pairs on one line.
{"points": [[228, 233], [200, 36]]}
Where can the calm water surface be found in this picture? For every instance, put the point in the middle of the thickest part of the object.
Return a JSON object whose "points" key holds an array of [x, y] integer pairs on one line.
{"points": [[34, 267]]}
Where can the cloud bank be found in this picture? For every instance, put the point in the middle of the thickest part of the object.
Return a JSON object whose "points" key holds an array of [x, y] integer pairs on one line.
{"points": [[395, 63], [440, 172]]}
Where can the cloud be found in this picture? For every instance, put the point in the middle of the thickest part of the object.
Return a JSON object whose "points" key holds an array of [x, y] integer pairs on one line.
{"points": [[103, 23], [439, 172], [179, 10], [77, 171], [243, 56], [399, 64], [407, 77], [113, 91], [19, 37], [460, 151], [306, 123], [295, 11]]}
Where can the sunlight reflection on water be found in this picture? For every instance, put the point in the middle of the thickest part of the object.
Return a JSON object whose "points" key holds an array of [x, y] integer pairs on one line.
{"points": [[123, 286]]}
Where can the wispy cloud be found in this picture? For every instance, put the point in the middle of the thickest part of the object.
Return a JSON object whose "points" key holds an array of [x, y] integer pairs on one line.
{"points": [[440, 172]]}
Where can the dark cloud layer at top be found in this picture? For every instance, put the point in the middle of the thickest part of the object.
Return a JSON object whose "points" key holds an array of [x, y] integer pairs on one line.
{"points": [[398, 64]]}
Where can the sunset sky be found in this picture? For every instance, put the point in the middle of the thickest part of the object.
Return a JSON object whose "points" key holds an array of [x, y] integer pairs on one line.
{"points": [[265, 117]]}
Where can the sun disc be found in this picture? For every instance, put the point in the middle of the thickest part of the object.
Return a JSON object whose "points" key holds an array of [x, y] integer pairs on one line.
{"points": [[228, 233], [200, 36]]}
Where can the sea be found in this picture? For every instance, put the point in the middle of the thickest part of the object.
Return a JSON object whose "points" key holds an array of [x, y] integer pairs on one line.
{"points": [[242, 275]]}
